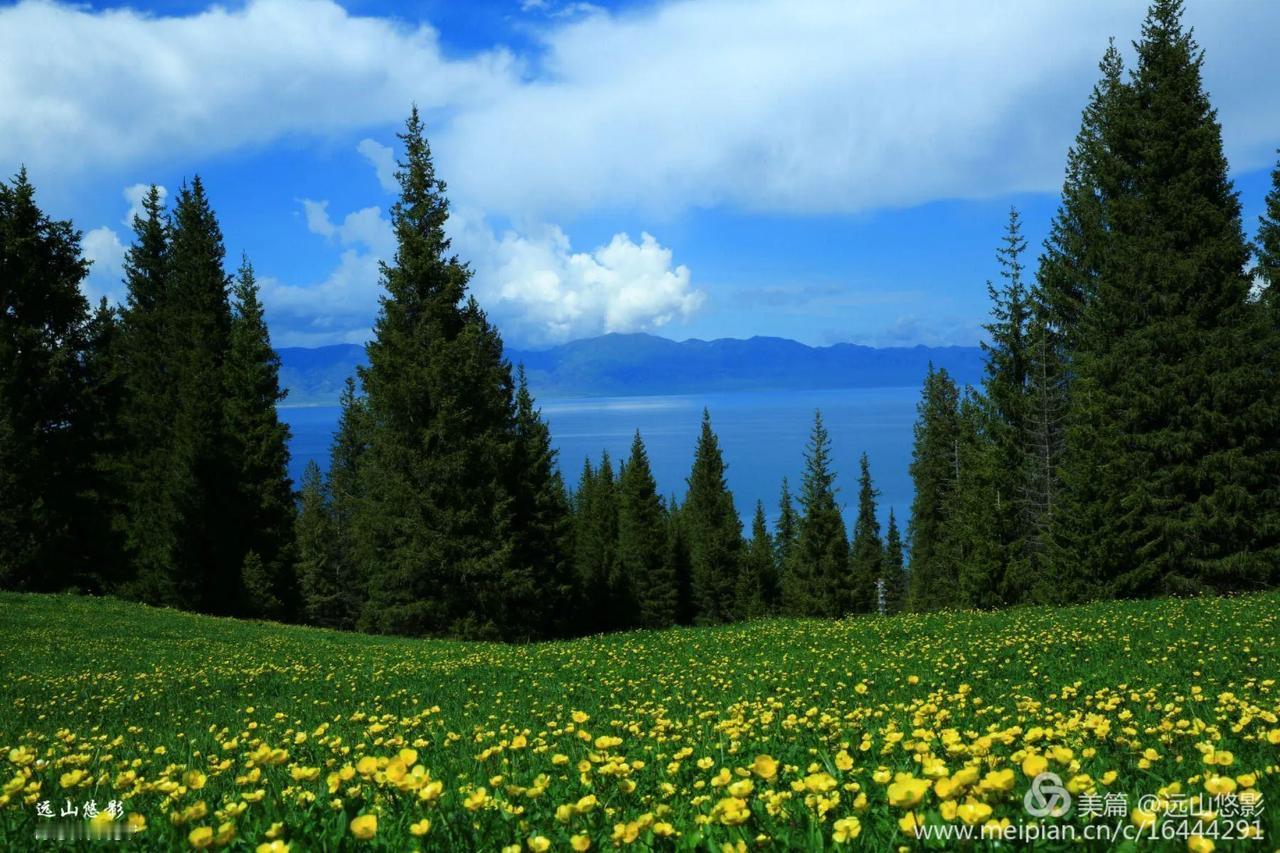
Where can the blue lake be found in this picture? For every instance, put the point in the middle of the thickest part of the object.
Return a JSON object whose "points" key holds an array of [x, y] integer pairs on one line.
{"points": [[762, 435]]}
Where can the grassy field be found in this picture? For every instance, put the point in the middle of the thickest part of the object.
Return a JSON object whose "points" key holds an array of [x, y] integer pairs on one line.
{"points": [[213, 733]]}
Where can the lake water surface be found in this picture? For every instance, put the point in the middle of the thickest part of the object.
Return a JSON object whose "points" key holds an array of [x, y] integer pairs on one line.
{"points": [[762, 435]]}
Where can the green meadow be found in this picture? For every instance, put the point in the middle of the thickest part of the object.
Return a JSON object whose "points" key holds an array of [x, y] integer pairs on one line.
{"points": [[862, 733]]}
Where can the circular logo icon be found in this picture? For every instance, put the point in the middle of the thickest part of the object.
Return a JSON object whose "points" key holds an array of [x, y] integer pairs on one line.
{"points": [[1046, 796]]}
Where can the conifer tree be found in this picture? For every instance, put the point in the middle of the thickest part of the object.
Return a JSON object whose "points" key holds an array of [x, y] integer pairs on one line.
{"points": [[933, 472], [646, 582], [820, 557], [679, 562], [895, 570], [259, 443], [596, 544], [1066, 282], [435, 524], [787, 532], [148, 362], [1173, 448], [543, 521], [49, 464], [343, 491], [866, 554], [715, 532], [1006, 410], [1044, 443], [972, 550], [321, 584], [258, 586], [1067, 275], [202, 470], [757, 584], [102, 531]]}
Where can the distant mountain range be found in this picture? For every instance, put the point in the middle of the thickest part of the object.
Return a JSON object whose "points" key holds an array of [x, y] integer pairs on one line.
{"points": [[638, 364]]}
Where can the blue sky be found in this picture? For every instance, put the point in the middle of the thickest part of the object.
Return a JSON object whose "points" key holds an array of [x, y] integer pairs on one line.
{"points": [[826, 171]]}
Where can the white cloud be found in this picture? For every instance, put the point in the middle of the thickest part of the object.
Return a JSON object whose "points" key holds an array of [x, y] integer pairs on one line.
{"points": [[83, 90], [364, 227], [826, 106], [383, 160], [541, 292], [763, 105], [532, 284], [102, 246], [136, 195]]}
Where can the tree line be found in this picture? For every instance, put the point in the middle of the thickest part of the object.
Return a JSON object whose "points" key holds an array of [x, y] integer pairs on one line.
{"points": [[144, 457], [1125, 440]]}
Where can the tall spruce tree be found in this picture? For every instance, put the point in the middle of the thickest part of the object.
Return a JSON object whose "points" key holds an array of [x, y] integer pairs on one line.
{"points": [[1173, 433], [596, 544], [148, 350], [321, 584], [820, 557], [49, 462], [436, 525], [715, 531], [1005, 387], [344, 490], [103, 530], [757, 591], [1070, 264], [646, 577], [1066, 282], [866, 554], [259, 444], [203, 471], [543, 521], [1044, 443], [787, 531], [679, 563], [895, 570], [974, 548], [933, 472]]}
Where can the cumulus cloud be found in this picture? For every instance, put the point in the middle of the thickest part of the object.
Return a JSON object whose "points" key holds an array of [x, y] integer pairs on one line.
{"points": [[383, 160], [531, 283], [542, 292], [86, 89], [103, 248], [135, 195], [826, 106], [763, 105], [339, 308]]}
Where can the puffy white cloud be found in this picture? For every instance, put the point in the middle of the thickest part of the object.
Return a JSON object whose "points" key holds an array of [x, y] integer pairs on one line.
{"points": [[341, 307], [135, 195], [383, 160], [540, 291], [87, 89], [103, 248], [533, 285], [338, 309], [365, 227], [824, 105]]}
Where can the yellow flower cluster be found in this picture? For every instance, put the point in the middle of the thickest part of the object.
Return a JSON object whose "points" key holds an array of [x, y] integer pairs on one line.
{"points": [[215, 734]]}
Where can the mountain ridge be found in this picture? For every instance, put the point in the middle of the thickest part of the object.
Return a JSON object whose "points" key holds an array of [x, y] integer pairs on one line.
{"points": [[639, 364]]}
